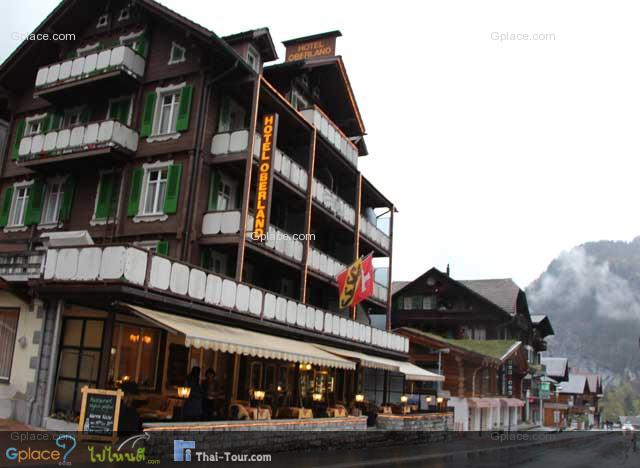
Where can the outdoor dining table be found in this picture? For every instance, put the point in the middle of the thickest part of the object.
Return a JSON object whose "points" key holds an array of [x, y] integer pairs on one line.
{"points": [[258, 413], [337, 412], [289, 412]]}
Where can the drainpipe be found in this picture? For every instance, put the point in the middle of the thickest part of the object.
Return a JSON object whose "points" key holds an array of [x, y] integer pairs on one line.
{"points": [[48, 395], [204, 99]]}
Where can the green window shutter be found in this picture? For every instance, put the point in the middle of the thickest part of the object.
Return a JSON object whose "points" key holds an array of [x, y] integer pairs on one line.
{"points": [[105, 196], [163, 247], [224, 122], [20, 127], [214, 187], [114, 110], [33, 213], [141, 46], [85, 115], [173, 189], [123, 115], [47, 124], [239, 191], [67, 198], [6, 206], [146, 128], [134, 194], [205, 259], [184, 110]]}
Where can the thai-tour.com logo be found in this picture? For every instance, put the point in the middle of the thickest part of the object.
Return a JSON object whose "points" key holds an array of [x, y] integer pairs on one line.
{"points": [[64, 445], [185, 451]]}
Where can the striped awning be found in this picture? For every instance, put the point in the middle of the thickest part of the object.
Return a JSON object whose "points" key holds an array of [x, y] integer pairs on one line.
{"points": [[207, 335], [365, 360]]}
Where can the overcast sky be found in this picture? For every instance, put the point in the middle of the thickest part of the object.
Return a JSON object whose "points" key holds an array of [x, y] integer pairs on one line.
{"points": [[498, 154]]}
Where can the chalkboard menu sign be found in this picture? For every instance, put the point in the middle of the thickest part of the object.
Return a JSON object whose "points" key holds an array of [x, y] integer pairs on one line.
{"points": [[99, 413]]}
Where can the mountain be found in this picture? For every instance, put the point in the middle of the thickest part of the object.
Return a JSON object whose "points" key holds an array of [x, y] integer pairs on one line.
{"points": [[591, 294]]}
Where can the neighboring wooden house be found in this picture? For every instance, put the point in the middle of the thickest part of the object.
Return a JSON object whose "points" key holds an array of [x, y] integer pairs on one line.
{"points": [[581, 394], [483, 378]]}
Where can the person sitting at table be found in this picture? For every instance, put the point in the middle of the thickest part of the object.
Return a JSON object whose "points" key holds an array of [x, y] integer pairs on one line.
{"points": [[211, 397], [238, 413], [192, 409]]}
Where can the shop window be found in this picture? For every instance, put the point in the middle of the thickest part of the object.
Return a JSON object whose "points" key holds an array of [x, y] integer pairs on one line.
{"points": [[79, 361], [8, 330], [134, 355], [374, 385], [255, 376]]}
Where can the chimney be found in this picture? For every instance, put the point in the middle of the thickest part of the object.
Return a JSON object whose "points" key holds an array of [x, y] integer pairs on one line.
{"points": [[310, 47], [448, 270]]}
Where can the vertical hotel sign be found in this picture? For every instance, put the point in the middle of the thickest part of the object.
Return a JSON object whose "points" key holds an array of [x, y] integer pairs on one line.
{"points": [[265, 177]]}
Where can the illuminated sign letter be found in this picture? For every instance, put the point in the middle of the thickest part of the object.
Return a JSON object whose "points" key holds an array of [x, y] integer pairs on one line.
{"points": [[264, 181]]}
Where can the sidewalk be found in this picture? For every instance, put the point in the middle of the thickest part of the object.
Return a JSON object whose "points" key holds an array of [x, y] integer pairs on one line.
{"points": [[11, 425]]}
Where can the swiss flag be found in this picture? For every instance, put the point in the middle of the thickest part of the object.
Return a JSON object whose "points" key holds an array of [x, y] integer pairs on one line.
{"points": [[355, 284], [365, 288]]}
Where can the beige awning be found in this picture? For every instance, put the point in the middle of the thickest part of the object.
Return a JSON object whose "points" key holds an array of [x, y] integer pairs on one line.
{"points": [[201, 334], [364, 359], [413, 372]]}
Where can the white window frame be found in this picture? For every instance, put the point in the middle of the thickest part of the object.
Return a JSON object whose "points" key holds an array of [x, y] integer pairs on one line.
{"points": [[102, 222], [296, 97], [150, 245], [222, 258], [60, 180], [160, 93], [103, 20], [18, 227], [233, 188], [407, 303], [128, 97], [175, 46], [129, 40], [69, 112], [124, 14], [88, 49], [257, 59], [148, 168], [30, 120]]}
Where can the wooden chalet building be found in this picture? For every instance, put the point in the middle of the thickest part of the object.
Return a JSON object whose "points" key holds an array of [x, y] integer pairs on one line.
{"points": [[130, 184], [483, 378], [493, 309]]}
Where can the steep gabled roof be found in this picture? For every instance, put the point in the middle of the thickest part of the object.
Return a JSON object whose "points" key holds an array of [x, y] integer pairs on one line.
{"points": [[262, 37], [556, 366], [593, 379], [502, 292], [576, 385], [543, 324]]}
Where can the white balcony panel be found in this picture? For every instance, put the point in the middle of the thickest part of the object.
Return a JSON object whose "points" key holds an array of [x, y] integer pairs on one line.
{"points": [[343, 327], [91, 134], [269, 308], [328, 323], [37, 142], [286, 167], [292, 312], [67, 264], [113, 262], [271, 239], [104, 58], [257, 144], [50, 264], [135, 268], [281, 309], [197, 284], [242, 298], [239, 141], [323, 263], [213, 292], [41, 77], [301, 315], [288, 248], [179, 278], [255, 302], [318, 320], [228, 293], [303, 180], [54, 71], [311, 318], [406, 345], [335, 326], [280, 247], [367, 334], [77, 67], [298, 248], [277, 160], [350, 329], [160, 274], [25, 146], [220, 143], [212, 223], [105, 131], [295, 174], [77, 136], [385, 340], [117, 56], [65, 70], [230, 222], [64, 136]]}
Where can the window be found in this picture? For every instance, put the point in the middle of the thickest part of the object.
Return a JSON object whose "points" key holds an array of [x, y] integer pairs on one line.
{"points": [[556, 416], [36, 124], [232, 115], [8, 331], [72, 117], [124, 14], [19, 205], [79, 361], [215, 261], [168, 113], [54, 193], [120, 109], [287, 287], [298, 101], [407, 303], [134, 355], [102, 21], [253, 58], [155, 190], [88, 49], [177, 54], [222, 192], [106, 205], [429, 302]]}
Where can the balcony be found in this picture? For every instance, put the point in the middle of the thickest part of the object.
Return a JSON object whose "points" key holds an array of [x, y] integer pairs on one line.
{"points": [[375, 235], [333, 203], [279, 241], [21, 266], [67, 146], [325, 264], [116, 69], [332, 134], [118, 264], [380, 292]]}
